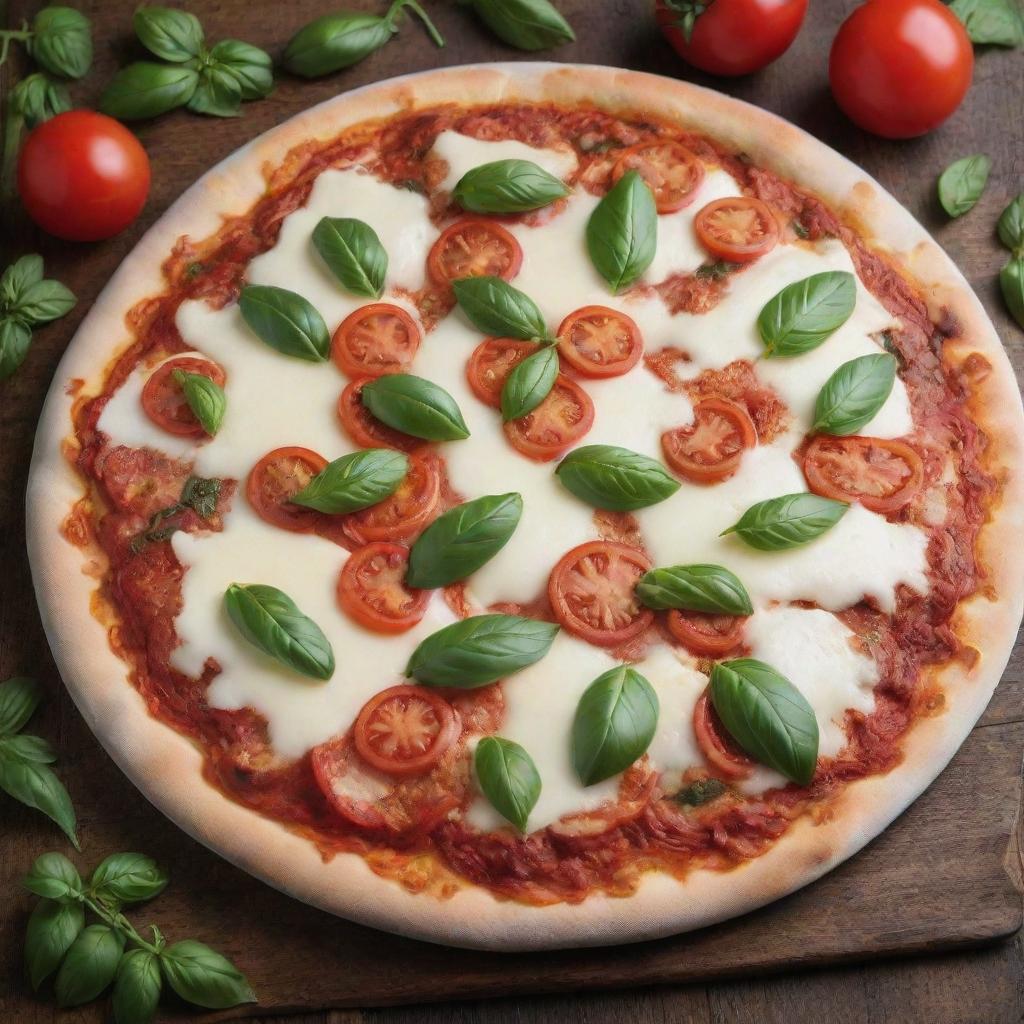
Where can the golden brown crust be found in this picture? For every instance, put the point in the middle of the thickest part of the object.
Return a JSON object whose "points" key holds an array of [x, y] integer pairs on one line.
{"points": [[166, 766]]}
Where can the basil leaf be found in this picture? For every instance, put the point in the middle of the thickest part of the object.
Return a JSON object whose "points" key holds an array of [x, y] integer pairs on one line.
{"points": [[90, 965], [52, 927], [355, 481], [202, 976], [767, 716], [529, 383], [606, 476], [250, 66], [173, 35], [991, 22], [146, 89], [466, 537], [15, 339], [622, 233], [42, 302], [1011, 281], [19, 698], [200, 495], [526, 24], [38, 99], [962, 182], [54, 877], [61, 41], [38, 787], [614, 724], [711, 589], [128, 878], [701, 791], [205, 397], [25, 271], [802, 315], [27, 748], [415, 406], [269, 619], [508, 186], [354, 254], [496, 308], [335, 41], [218, 93], [286, 321], [788, 521], [508, 778], [480, 650], [137, 988], [853, 395], [1011, 226]]}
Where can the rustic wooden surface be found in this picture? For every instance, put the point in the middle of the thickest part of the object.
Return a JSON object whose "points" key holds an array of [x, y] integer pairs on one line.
{"points": [[934, 880]]}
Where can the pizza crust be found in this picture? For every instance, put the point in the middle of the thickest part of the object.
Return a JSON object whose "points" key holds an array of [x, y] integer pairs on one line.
{"points": [[166, 766]]}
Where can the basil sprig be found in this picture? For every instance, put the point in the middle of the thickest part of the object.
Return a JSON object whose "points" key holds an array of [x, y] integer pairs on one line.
{"points": [[27, 301], [767, 716], [466, 537], [508, 777], [788, 521], [354, 254], [609, 477], [525, 24], [508, 186], [415, 406], [991, 22], [270, 620], [37, 98], [60, 41], [205, 397], [614, 724], [529, 383], [853, 395], [711, 589], [355, 481], [285, 321], [801, 316], [496, 308], [962, 182], [480, 650], [622, 233]]}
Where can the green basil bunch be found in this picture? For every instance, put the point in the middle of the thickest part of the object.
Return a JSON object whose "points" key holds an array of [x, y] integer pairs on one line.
{"points": [[1011, 277], [525, 24], [26, 301], [212, 81], [59, 41]]}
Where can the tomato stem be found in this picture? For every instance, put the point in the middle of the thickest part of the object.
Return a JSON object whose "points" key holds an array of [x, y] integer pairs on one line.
{"points": [[397, 7]]}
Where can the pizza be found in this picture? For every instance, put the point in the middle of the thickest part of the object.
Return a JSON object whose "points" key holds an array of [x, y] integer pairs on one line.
{"points": [[532, 506]]}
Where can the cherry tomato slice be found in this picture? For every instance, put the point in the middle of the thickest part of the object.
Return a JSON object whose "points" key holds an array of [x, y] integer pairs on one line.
{"points": [[404, 513], [372, 590], [706, 635], [374, 340], [558, 422], [716, 744], [737, 229], [600, 342], [883, 475], [592, 592], [709, 449], [364, 428], [273, 481], [673, 173], [491, 363], [163, 400], [474, 248]]}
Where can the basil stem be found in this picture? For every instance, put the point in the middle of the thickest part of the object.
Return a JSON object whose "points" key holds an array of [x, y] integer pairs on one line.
{"points": [[508, 778], [529, 383], [962, 182], [285, 321], [354, 254], [853, 395], [146, 89], [496, 308], [805, 313], [507, 186], [1011, 281], [415, 406], [622, 233], [788, 521], [609, 477], [355, 481], [525, 24], [710, 589], [205, 398]]}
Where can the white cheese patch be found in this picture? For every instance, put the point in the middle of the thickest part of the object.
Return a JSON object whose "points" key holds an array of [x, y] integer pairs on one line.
{"points": [[678, 685], [463, 153]]}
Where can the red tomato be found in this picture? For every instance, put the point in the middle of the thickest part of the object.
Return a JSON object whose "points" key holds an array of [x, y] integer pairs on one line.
{"points": [[491, 363], [374, 340], [405, 512], [716, 744], [731, 37], [899, 68], [364, 428], [83, 176], [372, 590], [710, 448], [275, 479], [164, 401], [882, 475], [592, 591], [600, 342], [737, 229], [673, 173], [558, 422], [706, 635], [474, 248]]}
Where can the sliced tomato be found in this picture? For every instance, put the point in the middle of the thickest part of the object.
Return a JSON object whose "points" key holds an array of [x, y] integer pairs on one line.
{"points": [[491, 363], [737, 229], [374, 340], [710, 448], [706, 635], [673, 173], [474, 248], [558, 422], [275, 479], [883, 475], [404, 513], [600, 342], [716, 744], [592, 591], [163, 399], [372, 590], [364, 428]]}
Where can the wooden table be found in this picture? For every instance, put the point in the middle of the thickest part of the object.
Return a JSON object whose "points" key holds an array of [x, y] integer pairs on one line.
{"points": [[983, 985]]}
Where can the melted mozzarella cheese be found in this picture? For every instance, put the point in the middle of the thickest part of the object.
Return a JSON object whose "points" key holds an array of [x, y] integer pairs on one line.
{"points": [[463, 153]]}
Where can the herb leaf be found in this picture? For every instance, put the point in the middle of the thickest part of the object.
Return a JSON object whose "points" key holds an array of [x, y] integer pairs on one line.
{"points": [[525, 24], [37, 99], [355, 481], [52, 927], [170, 34], [962, 182], [1011, 226], [802, 315], [19, 698], [61, 41], [529, 383], [202, 976], [218, 93], [991, 22], [335, 41], [354, 254], [622, 233], [137, 987], [496, 308], [415, 406], [36, 786], [53, 877], [1011, 281], [853, 395], [24, 272], [711, 589], [41, 302], [15, 339], [508, 186], [701, 791], [285, 321], [200, 494], [205, 397], [146, 89], [27, 748], [788, 521], [609, 477], [128, 878], [251, 66], [508, 777], [90, 965]]}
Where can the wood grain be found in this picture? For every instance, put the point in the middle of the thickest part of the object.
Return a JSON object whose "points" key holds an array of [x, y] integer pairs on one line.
{"points": [[933, 880]]}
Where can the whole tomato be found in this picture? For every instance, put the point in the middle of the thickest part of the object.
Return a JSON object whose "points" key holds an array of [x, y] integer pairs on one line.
{"points": [[899, 68], [83, 176], [730, 37]]}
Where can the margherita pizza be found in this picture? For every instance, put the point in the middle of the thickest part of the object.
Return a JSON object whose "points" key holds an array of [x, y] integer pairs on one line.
{"points": [[535, 506]]}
